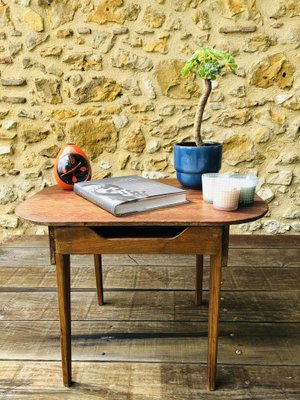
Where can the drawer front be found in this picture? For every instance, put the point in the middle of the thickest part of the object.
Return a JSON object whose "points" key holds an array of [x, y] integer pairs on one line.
{"points": [[138, 240]]}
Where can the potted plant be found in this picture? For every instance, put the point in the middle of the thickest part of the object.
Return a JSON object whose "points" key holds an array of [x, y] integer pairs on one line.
{"points": [[192, 159]]}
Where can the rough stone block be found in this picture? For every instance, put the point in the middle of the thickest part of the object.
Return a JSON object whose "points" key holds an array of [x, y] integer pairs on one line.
{"points": [[13, 82], [11, 222], [134, 141], [153, 18], [290, 8], [84, 31], [25, 3], [33, 39], [238, 29], [121, 31], [153, 146], [291, 213], [149, 89], [97, 89], [142, 108], [238, 149], [103, 41], [54, 51], [127, 60], [5, 150], [159, 46], [31, 134], [34, 20], [132, 85], [168, 75], [274, 69], [14, 99], [266, 194], [120, 121], [6, 60], [50, 152], [273, 226], [8, 135], [281, 178], [3, 113], [94, 135], [62, 11], [48, 90], [15, 48], [258, 42], [107, 11], [9, 124], [84, 61], [64, 33], [233, 117]]}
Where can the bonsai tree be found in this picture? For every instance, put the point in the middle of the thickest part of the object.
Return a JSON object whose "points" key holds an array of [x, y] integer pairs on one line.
{"points": [[206, 63]]}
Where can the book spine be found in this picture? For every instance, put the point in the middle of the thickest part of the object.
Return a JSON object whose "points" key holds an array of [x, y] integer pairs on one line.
{"points": [[94, 199]]}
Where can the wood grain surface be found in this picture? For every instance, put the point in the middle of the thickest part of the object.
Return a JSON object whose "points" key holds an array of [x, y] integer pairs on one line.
{"points": [[146, 381], [54, 206], [245, 241], [153, 306], [149, 340], [125, 341], [190, 240], [150, 277]]}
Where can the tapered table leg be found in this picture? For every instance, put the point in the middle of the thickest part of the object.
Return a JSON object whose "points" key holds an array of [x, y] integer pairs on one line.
{"points": [[199, 279], [216, 264], [213, 319], [64, 306], [99, 278]]}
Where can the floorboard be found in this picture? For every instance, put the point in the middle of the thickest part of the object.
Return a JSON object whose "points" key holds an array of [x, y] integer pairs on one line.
{"points": [[153, 306], [149, 340], [24, 258], [150, 381], [160, 342], [147, 277]]}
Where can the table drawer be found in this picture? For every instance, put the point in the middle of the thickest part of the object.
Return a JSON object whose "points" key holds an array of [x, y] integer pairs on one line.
{"points": [[138, 239]]}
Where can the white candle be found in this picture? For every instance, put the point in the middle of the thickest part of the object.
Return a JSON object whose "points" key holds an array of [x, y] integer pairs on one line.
{"points": [[208, 182], [226, 194]]}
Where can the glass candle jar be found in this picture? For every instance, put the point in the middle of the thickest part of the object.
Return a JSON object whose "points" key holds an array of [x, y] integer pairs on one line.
{"points": [[226, 194], [208, 181], [248, 184]]}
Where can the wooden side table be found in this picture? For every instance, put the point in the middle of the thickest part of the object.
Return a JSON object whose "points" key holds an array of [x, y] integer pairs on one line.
{"points": [[79, 227]]}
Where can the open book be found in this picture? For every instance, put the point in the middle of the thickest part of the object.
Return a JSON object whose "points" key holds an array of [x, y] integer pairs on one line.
{"points": [[129, 194]]}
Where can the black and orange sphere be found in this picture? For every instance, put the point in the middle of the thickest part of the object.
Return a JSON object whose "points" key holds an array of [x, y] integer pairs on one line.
{"points": [[71, 166]]}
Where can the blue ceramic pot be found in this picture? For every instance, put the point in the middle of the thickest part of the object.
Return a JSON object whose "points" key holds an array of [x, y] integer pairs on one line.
{"points": [[191, 161]]}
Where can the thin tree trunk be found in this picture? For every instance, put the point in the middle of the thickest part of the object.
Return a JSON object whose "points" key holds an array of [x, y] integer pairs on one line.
{"points": [[200, 111]]}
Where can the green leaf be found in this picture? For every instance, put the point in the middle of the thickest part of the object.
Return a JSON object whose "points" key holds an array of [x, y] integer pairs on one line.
{"points": [[187, 68], [207, 63]]}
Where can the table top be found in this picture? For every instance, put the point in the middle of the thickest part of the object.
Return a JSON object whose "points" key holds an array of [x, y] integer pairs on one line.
{"points": [[54, 206]]}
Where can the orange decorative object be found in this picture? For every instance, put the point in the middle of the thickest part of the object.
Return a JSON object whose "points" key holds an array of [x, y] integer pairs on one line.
{"points": [[71, 166]]}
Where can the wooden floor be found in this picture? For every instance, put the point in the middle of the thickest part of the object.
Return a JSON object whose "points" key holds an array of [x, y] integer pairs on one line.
{"points": [[149, 340]]}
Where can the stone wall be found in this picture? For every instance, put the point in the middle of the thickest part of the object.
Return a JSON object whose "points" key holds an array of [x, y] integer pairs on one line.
{"points": [[105, 74]]}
